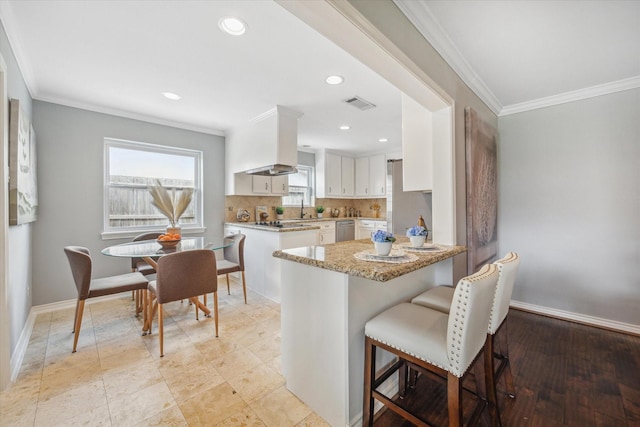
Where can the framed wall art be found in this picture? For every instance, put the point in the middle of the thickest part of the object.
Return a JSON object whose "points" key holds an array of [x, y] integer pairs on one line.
{"points": [[482, 191], [23, 191]]}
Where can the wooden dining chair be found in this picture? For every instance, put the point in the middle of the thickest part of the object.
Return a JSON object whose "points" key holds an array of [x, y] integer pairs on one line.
{"points": [[140, 265], [440, 298], [446, 345], [183, 275], [80, 263]]}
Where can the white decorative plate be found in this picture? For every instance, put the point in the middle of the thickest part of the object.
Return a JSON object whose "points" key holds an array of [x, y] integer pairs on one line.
{"points": [[427, 247], [394, 254]]}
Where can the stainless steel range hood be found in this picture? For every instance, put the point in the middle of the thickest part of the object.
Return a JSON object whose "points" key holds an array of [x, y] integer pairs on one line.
{"points": [[272, 170]]}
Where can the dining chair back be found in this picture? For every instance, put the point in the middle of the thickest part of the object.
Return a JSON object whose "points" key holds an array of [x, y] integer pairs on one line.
{"points": [[138, 264], [234, 261], [81, 267], [184, 275], [430, 340]]}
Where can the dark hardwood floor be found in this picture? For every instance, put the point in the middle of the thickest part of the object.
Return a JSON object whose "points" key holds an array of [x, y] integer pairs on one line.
{"points": [[565, 374]]}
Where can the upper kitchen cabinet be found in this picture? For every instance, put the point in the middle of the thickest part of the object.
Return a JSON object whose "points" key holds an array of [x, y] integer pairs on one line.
{"points": [[362, 176], [417, 146], [334, 175], [267, 146], [371, 176], [347, 176], [257, 185]]}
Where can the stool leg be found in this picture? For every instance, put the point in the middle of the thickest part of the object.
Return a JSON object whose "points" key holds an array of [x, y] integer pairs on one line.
{"points": [[490, 382], [505, 364], [454, 399], [369, 378]]}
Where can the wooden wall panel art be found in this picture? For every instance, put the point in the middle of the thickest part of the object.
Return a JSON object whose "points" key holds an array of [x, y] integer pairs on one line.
{"points": [[482, 191]]}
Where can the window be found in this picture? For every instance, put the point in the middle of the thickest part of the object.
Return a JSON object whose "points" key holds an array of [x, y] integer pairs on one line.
{"points": [[130, 167], [300, 187]]}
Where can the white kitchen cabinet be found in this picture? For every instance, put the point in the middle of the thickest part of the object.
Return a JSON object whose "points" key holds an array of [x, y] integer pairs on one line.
{"points": [[280, 185], [334, 175], [377, 175], [327, 232], [249, 185], [364, 227], [371, 176], [261, 184], [347, 176], [417, 146], [362, 177]]}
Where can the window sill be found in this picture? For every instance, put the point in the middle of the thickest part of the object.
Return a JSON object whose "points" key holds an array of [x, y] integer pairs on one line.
{"points": [[130, 234]]}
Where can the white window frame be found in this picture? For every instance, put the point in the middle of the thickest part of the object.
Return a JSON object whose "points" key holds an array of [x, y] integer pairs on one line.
{"points": [[128, 232], [311, 186]]}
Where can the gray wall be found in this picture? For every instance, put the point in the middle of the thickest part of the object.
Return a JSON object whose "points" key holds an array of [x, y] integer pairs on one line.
{"points": [[20, 236], [388, 19], [570, 205], [569, 187], [70, 189]]}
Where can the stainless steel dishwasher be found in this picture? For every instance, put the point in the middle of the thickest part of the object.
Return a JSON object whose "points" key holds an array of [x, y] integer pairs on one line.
{"points": [[345, 230]]}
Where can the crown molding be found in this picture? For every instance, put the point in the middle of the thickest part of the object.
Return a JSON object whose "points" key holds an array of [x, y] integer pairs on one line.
{"points": [[576, 95], [421, 17], [130, 115]]}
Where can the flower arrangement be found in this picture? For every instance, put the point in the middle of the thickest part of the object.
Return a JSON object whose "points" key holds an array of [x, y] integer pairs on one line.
{"points": [[171, 206], [382, 236], [376, 210], [320, 209], [416, 230], [279, 210]]}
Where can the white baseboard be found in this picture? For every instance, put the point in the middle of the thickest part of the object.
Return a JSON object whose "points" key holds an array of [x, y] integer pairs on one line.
{"points": [[21, 347], [578, 318]]}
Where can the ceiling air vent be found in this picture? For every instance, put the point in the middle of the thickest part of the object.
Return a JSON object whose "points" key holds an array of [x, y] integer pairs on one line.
{"points": [[360, 103]]}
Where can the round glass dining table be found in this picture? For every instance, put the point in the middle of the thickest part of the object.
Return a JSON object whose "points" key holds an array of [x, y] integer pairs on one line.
{"points": [[150, 250]]}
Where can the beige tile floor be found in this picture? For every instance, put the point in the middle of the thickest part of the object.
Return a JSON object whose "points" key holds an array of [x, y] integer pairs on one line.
{"points": [[116, 378]]}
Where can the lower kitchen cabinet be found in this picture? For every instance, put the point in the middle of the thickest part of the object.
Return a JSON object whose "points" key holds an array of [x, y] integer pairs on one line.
{"points": [[364, 227], [327, 232]]}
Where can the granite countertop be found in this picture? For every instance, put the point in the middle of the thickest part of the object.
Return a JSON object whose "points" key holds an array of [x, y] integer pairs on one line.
{"points": [[340, 257], [255, 226], [303, 227]]}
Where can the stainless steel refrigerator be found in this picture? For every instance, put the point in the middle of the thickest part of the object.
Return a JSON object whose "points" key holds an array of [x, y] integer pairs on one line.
{"points": [[404, 207]]}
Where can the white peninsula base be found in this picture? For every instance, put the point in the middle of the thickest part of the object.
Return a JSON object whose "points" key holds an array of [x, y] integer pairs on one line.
{"points": [[323, 318]]}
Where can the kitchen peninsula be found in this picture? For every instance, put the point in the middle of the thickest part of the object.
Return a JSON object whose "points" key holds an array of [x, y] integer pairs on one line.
{"points": [[327, 296], [262, 271]]}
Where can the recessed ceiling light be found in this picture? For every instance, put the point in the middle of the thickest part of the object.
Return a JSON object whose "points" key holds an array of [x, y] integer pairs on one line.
{"points": [[383, 140], [233, 26], [172, 96], [334, 80], [345, 127]]}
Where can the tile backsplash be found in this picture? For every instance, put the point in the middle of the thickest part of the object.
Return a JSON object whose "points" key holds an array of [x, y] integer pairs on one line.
{"points": [[365, 206]]}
